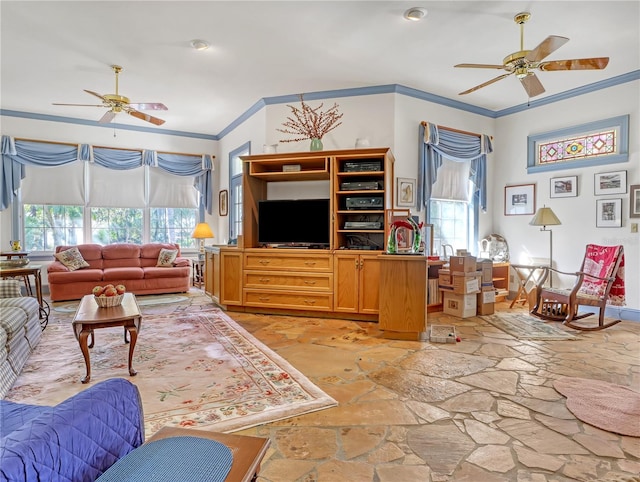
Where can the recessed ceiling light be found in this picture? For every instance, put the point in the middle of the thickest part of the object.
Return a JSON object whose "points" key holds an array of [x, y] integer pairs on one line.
{"points": [[415, 14], [200, 44]]}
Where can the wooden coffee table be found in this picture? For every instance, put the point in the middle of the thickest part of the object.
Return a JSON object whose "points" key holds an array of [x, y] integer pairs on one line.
{"points": [[89, 317]]}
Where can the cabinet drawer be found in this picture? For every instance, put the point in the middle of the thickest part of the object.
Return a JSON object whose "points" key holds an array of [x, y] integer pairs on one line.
{"points": [[288, 299], [288, 280], [291, 261]]}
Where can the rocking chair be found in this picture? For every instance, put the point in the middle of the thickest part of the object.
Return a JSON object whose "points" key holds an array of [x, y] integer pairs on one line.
{"points": [[599, 281]]}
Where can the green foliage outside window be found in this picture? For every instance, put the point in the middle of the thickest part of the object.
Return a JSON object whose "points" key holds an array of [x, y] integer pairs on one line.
{"points": [[116, 225], [173, 225], [46, 227]]}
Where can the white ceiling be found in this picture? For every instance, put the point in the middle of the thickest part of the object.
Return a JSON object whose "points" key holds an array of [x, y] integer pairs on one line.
{"points": [[53, 50]]}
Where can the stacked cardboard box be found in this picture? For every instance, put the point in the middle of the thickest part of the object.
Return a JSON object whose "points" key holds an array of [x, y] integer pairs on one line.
{"points": [[460, 284], [487, 297]]}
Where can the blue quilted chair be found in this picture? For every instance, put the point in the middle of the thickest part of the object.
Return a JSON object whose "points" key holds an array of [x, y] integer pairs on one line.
{"points": [[76, 440]]}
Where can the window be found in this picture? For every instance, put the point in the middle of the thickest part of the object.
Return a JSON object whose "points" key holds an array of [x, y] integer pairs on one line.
{"points": [[453, 224], [235, 190], [46, 227], [116, 225], [173, 225]]}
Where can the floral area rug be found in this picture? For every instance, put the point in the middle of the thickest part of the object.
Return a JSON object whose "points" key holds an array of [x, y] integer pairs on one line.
{"points": [[146, 300], [526, 327], [196, 368]]}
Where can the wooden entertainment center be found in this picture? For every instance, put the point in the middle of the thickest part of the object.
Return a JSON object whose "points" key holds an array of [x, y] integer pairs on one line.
{"points": [[341, 280]]}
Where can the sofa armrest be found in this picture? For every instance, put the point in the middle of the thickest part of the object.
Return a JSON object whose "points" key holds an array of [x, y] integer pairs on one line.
{"points": [[181, 262], [57, 267], [77, 439]]}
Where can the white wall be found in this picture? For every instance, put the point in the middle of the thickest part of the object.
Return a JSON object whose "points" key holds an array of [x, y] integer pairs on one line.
{"points": [[577, 214]]}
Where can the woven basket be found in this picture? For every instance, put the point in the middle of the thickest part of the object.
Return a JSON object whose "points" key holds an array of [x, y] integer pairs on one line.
{"points": [[109, 301]]}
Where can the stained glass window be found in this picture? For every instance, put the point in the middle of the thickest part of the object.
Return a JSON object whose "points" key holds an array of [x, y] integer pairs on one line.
{"points": [[600, 142], [596, 144]]}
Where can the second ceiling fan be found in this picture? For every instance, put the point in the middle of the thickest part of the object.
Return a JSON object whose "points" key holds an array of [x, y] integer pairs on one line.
{"points": [[523, 62], [119, 103]]}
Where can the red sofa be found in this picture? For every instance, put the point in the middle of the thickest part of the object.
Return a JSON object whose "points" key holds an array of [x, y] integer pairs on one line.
{"points": [[132, 265]]}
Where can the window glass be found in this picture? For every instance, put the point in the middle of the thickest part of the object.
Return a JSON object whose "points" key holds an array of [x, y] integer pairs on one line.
{"points": [[235, 189], [173, 225], [116, 225], [46, 227], [451, 224]]}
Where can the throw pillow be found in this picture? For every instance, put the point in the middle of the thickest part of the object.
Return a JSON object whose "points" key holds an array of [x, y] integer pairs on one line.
{"points": [[167, 257], [72, 259], [10, 288]]}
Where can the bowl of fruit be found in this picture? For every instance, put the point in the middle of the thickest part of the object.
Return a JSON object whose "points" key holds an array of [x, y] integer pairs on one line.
{"points": [[108, 295]]}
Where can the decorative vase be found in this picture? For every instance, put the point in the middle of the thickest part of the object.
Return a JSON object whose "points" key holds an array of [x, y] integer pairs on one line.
{"points": [[316, 144]]}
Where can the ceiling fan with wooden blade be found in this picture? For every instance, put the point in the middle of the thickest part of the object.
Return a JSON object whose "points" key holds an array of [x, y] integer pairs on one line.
{"points": [[119, 103], [523, 62]]}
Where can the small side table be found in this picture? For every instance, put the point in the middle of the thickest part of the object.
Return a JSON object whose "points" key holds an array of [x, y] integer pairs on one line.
{"points": [[13, 254], [24, 272], [198, 271], [528, 277]]}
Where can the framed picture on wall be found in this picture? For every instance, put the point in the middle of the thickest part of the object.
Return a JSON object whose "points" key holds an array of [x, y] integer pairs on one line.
{"points": [[614, 182], [519, 200], [608, 213], [564, 186], [223, 203], [634, 201], [406, 192]]}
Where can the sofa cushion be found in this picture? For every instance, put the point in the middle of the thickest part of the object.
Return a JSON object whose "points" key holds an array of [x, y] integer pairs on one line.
{"points": [[72, 259], [153, 272], [121, 251], [167, 257], [123, 273], [10, 288], [86, 274]]}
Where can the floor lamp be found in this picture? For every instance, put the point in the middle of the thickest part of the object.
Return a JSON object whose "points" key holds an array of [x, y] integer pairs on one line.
{"points": [[546, 217]]}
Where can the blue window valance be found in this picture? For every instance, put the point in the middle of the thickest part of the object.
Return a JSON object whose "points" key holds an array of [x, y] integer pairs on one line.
{"points": [[16, 154], [437, 143]]}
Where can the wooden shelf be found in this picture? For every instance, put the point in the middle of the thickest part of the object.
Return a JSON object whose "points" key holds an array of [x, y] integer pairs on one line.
{"points": [[310, 169]]}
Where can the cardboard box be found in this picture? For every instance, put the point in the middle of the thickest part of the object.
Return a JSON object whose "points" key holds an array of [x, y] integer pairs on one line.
{"points": [[486, 301], [442, 334], [486, 267], [463, 264], [444, 278], [468, 283], [462, 306]]}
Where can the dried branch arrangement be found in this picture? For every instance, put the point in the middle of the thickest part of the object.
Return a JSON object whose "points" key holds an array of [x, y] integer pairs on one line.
{"points": [[308, 122]]}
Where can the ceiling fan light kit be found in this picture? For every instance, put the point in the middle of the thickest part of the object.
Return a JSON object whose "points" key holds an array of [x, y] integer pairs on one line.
{"points": [[119, 103], [523, 62], [415, 14], [199, 44]]}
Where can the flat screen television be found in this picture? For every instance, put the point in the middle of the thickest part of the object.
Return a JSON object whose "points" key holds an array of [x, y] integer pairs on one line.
{"points": [[294, 222]]}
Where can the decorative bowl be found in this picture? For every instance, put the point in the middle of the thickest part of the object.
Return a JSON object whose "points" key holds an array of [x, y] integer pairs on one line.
{"points": [[109, 301], [14, 263]]}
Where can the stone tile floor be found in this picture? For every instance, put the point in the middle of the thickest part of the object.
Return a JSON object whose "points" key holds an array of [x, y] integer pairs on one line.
{"points": [[481, 410]]}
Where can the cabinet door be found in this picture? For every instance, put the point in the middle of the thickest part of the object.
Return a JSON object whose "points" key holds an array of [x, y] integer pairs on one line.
{"points": [[346, 274], [230, 277], [369, 284]]}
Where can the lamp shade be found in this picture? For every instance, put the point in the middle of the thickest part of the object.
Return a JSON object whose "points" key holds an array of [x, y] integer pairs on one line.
{"points": [[202, 231], [545, 217]]}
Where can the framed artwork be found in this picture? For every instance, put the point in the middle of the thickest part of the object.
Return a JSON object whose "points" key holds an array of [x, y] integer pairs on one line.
{"points": [[634, 201], [520, 200], [608, 213], [406, 192], [223, 202], [614, 182], [564, 186]]}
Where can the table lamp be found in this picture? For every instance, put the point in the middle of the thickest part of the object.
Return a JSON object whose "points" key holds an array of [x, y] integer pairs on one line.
{"points": [[202, 232], [546, 217]]}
